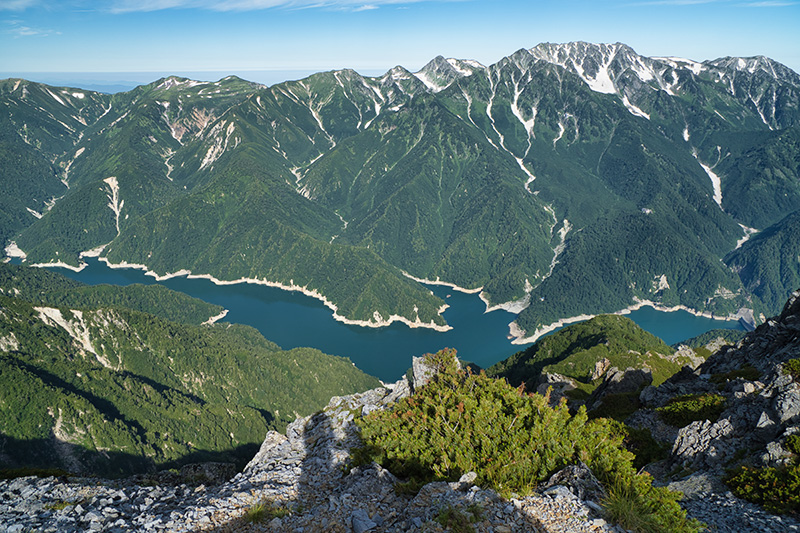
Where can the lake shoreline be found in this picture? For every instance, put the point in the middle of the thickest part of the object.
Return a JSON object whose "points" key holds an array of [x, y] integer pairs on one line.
{"points": [[292, 319], [517, 334], [378, 322]]}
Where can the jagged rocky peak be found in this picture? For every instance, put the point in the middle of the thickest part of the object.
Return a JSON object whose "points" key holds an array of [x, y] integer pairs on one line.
{"points": [[440, 73], [403, 80], [754, 65], [523, 59], [599, 65], [398, 73]]}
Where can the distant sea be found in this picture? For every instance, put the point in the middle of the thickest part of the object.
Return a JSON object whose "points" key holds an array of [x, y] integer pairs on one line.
{"points": [[292, 319]]}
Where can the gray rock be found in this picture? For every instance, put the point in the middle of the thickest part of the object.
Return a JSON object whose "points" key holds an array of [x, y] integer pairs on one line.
{"points": [[787, 404], [559, 385], [580, 480], [559, 491], [618, 382], [361, 521]]}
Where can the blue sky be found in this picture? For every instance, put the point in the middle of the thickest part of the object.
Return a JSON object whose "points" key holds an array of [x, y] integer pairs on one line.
{"points": [[148, 38]]}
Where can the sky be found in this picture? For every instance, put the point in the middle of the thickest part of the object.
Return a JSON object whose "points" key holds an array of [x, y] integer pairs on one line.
{"points": [[271, 40]]}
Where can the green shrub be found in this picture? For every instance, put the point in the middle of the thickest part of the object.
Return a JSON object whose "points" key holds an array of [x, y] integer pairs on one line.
{"points": [[683, 410], [463, 422], [617, 406], [640, 442], [792, 367], [793, 443], [746, 372], [637, 505], [265, 510], [457, 521], [777, 489]]}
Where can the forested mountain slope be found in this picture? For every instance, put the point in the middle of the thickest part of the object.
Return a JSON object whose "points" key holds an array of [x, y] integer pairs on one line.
{"points": [[89, 385], [566, 179]]}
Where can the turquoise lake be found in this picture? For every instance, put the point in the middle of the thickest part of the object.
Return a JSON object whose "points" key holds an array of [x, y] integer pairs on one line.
{"points": [[292, 319]]}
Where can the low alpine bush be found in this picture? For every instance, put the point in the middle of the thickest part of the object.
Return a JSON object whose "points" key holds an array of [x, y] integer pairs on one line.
{"points": [[792, 367], [683, 410], [461, 422], [777, 489]]}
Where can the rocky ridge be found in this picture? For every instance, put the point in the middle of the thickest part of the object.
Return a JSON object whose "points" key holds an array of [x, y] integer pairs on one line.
{"points": [[759, 414], [762, 409], [305, 474]]}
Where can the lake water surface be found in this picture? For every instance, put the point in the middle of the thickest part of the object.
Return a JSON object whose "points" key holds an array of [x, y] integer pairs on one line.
{"points": [[292, 319]]}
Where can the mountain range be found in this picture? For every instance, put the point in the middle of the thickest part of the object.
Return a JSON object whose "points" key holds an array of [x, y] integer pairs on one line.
{"points": [[565, 180]]}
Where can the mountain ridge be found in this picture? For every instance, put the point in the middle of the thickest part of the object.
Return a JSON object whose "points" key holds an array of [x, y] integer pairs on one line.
{"points": [[414, 180]]}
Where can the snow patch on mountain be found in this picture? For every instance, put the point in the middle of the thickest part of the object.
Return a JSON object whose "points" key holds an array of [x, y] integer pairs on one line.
{"points": [[429, 82], [633, 109], [681, 63], [748, 232], [114, 201], [54, 95], [716, 183], [219, 144]]}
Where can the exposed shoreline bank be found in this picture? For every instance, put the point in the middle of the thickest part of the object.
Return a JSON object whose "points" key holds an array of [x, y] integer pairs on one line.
{"points": [[377, 322], [518, 335]]}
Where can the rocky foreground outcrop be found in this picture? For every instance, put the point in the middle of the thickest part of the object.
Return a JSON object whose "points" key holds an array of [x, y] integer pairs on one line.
{"points": [[761, 412], [306, 473]]}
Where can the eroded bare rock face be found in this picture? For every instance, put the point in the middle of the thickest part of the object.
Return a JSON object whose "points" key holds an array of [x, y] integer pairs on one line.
{"points": [[761, 412]]}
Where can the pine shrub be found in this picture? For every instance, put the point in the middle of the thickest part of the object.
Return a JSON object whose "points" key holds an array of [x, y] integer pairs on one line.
{"points": [[683, 410], [777, 489], [461, 422], [792, 367]]}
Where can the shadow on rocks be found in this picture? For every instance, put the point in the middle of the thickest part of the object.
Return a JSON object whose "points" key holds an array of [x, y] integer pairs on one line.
{"points": [[304, 481]]}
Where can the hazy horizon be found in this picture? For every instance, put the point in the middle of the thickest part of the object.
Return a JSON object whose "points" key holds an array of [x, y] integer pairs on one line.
{"points": [[268, 36]]}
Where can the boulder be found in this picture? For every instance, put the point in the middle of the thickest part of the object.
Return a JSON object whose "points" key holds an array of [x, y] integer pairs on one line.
{"points": [[618, 382], [559, 385]]}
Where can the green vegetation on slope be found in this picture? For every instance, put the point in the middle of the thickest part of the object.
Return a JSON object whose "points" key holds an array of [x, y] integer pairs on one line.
{"points": [[462, 422], [519, 179], [575, 350], [762, 176], [731, 336], [41, 286], [768, 263], [116, 391]]}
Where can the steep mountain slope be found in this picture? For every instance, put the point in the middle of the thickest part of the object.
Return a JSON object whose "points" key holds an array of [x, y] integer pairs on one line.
{"points": [[564, 180], [769, 262], [112, 390], [585, 352]]}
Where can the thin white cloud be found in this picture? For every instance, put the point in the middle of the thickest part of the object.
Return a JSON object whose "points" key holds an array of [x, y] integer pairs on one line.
{"points": [[18, 28], [16, 5], [771, 3], [127, 6]]}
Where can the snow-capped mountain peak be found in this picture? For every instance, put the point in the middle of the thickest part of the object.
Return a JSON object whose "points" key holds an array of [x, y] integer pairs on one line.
{"points": [[440, 73]]}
